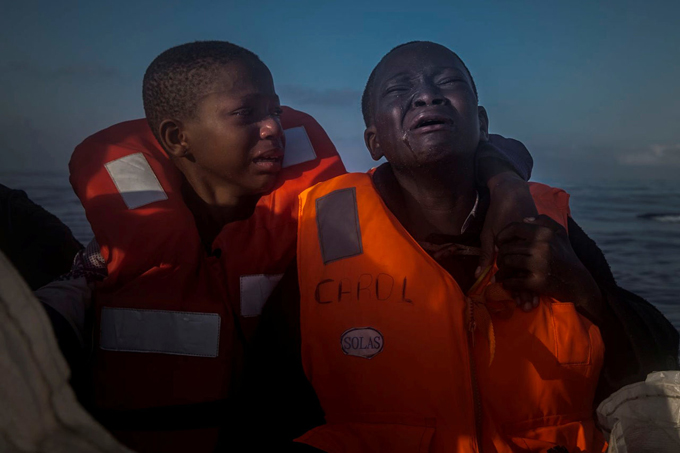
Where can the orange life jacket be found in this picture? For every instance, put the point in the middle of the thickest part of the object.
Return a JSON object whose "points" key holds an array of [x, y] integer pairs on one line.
{"points": [[401, 361], [172, 319]]}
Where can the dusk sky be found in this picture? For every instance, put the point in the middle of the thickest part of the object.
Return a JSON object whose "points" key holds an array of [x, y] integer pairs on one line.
{"points": [[590, 87]]}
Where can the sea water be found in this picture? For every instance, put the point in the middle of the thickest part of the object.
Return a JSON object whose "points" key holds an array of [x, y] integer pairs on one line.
{"points": [[635, 222]]}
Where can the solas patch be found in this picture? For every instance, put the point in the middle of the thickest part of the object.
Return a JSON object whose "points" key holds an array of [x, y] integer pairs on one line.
{"points": [[364, 342]]}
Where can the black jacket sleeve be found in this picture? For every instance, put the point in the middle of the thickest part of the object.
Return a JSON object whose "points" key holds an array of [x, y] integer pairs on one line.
{"points": [[501, 154], [638, 338]]}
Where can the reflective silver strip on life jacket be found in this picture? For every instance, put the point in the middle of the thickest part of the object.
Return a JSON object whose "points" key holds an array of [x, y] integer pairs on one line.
{"points": [[159, 331], [255, 290], [337, 218], [135, 180], [299, 147]]}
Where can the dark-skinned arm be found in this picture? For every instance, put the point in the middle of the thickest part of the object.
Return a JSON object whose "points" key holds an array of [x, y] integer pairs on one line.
{"points": [[503, 166]]}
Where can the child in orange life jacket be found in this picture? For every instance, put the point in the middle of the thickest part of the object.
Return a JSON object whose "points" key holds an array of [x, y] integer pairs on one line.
{"points": [[186, 275], [186, 256], [404, 348]]}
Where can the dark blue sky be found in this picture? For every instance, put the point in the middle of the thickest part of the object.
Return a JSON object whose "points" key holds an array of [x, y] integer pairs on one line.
{"points": [[590, 87]]}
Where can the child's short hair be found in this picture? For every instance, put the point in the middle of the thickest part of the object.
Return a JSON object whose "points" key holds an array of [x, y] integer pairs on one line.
{"points": [[176, 79]]}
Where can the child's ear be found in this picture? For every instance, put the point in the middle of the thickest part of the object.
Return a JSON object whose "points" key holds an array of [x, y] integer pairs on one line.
{"points": [[173, 138], [371, 140], [483, 124]]}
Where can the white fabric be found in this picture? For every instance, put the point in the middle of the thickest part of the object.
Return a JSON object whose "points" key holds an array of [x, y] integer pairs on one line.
{"points": [[299, 148], [644, 417], [471, 215], [255, 290], [159, 331], [38, 411], [135, 180]]}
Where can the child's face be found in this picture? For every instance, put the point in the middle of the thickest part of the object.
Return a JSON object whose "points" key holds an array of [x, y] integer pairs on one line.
{"points": [[236, 133], [425, 107]]}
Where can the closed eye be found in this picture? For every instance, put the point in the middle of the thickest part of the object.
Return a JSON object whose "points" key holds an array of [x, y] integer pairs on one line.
{"points": [[243, 112], [449, 81], [396, 89]]}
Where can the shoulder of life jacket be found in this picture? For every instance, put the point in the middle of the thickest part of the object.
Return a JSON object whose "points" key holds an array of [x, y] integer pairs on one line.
{"points": [[171, 319], [401, 360], [126, 183]]}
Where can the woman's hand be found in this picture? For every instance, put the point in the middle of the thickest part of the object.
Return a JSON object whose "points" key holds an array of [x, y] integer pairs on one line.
{"points": [[535, 255]]}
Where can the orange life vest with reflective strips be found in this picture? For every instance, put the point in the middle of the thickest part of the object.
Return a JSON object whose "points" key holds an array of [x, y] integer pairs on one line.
{"points": [[401, 361], [171, 319]]}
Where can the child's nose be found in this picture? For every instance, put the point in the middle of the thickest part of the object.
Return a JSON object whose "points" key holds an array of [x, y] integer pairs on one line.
{"points": [[428, 94], [271, 129]]}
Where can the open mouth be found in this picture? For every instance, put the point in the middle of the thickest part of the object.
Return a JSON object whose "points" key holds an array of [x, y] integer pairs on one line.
{"points": [[270, 161], [432, 123], [426, 123]]}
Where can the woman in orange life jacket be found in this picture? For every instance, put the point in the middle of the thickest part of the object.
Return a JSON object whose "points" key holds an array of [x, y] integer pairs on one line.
{"points": [[201, 99], [405, 346]]}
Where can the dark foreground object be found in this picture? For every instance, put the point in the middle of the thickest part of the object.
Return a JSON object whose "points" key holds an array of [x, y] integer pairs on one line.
{"points": [[39, 245], [39, 412]]}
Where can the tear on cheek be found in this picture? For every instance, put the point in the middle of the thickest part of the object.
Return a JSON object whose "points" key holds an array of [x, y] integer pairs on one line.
{"points": [[406, 141]]}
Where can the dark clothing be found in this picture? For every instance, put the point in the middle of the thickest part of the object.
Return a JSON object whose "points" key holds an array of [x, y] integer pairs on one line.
{"points": [[73, 352], [638, 340], [39, 245], [501, 154], [42, 248]]}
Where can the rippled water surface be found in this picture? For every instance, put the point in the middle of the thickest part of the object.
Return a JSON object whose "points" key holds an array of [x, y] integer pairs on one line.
{"points": [[635, 223]]}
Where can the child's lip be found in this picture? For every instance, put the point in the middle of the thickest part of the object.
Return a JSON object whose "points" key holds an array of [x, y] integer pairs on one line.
{"points": [[273, 153], [269, 166], [270, 161], [438, 119]]}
